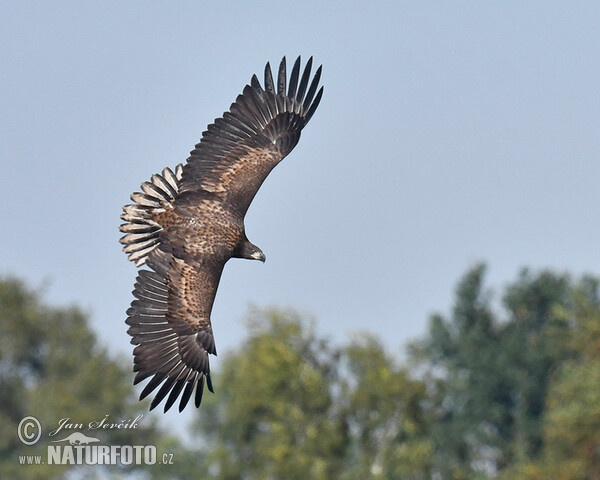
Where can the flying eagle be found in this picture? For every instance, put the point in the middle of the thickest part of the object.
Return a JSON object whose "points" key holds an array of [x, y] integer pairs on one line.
{"points": [[188, 222]]}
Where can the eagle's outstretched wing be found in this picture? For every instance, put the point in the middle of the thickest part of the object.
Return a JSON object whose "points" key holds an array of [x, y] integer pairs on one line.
{"points": [[170, 318], [170, 326], [237, 151]]}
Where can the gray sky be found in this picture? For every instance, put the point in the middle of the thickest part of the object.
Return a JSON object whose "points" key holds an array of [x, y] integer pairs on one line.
{"points": [[449, 132]]}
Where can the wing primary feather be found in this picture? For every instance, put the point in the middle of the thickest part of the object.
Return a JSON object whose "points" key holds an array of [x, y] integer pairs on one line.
{"points": [[152, 384], [294, 78], [199, 391], [179, 384], [312, 89], [269, 85], [140, 376], [281, 78], [313, 106], [304, 81], [255, 83], [187, 392], [164, 389], [280, 103]]}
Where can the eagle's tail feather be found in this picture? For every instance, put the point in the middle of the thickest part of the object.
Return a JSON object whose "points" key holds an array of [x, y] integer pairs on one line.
{"points": [[141, 232]]}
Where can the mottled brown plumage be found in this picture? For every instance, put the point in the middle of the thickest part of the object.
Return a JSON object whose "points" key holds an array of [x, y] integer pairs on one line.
{"points": [[186, 224]]}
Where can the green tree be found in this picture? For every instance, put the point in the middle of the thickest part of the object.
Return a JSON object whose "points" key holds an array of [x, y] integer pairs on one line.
{"points": [[459, 355], [290, 406], [490, 377], [571, 426], [273, 417], [535, 343], [385, 412]]}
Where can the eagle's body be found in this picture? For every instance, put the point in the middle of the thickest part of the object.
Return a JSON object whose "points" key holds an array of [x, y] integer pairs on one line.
{"points": [[189, 222]]}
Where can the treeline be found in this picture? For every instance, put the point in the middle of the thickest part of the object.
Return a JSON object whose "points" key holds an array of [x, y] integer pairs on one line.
{"points": [[503, 386]]}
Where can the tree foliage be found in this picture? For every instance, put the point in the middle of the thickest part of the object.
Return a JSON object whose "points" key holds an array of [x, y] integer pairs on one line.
{"points": [[384, 410], [503, 386], [571, 427], [273, 417], [295, 407]]}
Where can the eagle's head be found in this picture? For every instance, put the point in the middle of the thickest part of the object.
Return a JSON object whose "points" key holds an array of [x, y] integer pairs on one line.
{"points": [[250, 251]]}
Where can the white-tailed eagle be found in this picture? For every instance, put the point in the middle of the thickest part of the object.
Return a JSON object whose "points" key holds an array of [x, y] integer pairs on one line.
{"points": [[188, 222]]}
